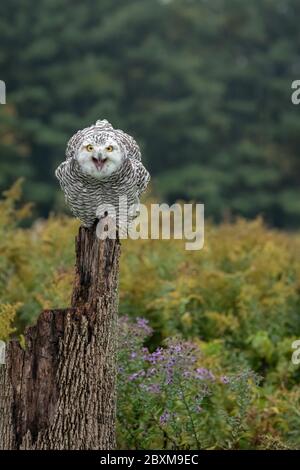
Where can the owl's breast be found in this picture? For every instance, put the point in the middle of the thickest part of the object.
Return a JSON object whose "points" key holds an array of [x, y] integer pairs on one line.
{"points": [[88, 198]]}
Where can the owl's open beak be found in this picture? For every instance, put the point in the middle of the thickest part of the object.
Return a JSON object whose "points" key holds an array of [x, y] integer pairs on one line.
{"points": [[99, 162]]}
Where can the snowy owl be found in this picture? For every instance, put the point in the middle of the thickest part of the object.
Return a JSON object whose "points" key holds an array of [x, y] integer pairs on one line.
{"points": [[102, 167]]}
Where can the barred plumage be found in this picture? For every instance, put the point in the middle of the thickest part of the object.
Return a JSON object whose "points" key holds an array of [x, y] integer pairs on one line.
{"points": [[89, 197]]}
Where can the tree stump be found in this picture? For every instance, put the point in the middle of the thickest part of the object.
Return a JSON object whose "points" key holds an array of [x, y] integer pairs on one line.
{"points": [[59, 392]]}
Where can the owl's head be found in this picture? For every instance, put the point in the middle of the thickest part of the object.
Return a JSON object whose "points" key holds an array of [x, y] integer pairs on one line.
{"points": [[100, 158]]}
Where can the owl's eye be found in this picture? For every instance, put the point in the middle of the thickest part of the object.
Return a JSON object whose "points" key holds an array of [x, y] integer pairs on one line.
{"points": [[109, 148], [89, 148]]}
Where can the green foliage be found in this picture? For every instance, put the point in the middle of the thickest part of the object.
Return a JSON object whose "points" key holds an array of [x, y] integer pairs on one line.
{"points": [[245, 283], [35, 264], [204, 86], [7, 317], [237, 301]]}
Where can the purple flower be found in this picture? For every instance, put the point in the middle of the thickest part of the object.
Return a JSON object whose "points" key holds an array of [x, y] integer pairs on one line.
{"points": [[164, 417], [156, 356], [136, 375], [224, 379], [169, 379], [176, 348], [204, 374], [143, 324], [151, 388], [198, 409], [186, 373], [150, 372]]}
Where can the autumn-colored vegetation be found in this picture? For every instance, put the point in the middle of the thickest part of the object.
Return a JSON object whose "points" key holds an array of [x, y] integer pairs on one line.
{"points": [[227, 315]]}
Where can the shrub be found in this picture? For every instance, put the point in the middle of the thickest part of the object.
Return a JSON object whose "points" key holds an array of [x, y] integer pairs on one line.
{"points": [[236, 303], [168, 400]]}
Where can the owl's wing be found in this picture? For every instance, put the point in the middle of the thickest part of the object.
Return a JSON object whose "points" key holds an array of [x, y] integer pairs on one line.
{"points": [[132, 148], [142, 176], [82, 204], [69, 179], [60, 173], [63, 173]]}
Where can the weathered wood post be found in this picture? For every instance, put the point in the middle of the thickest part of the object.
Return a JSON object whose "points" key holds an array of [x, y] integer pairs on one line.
{"points": [[59, 393]]}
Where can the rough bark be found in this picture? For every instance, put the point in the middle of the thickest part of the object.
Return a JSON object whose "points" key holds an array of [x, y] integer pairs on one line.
{"points": [[59, 392]]}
